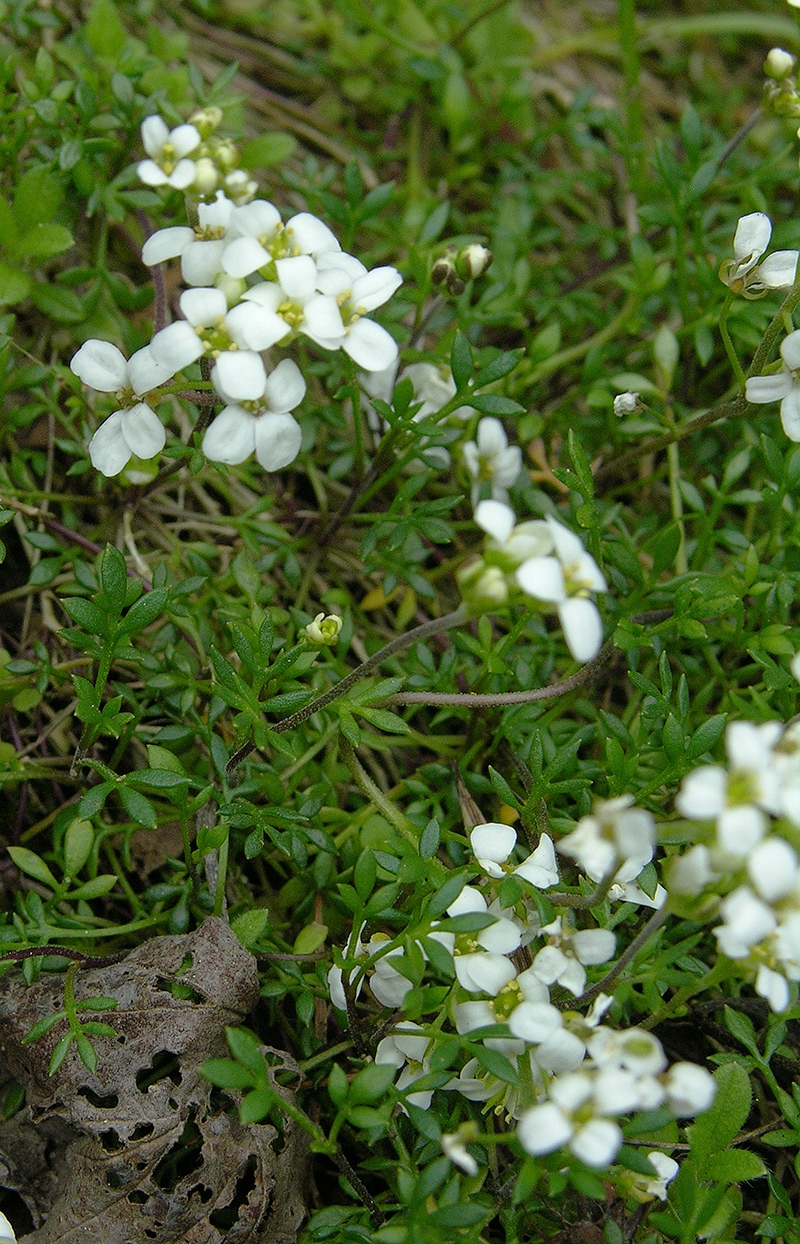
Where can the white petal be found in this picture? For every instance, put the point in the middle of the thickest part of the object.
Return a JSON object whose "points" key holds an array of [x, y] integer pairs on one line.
{"points": [[790, 414], [155, 133], [108, 449], [145, 372], [594, 945], [535, 1021], [176, 346], [101, 366], [597, 1143], [323, 323], [255, 328], [243, 256], [493, 842], [143, 430], [496, 519], [231, 436], [166, 244], [375, 288], [703, 793], [240, 374], [582, 626], [772, 868], [184, 139], [201, 262], [151, 174], [483, 973], [369, 345], [258, 219], [470, 899], [560, 1052], [778, 270], [543, 1129], [752, 235], [285, 387], [203, 306], [542, 578], [540, 867], [761, 389], [182, 175], [772, 986], [297, 276], [278, 440], [310, 234], [501, 938]]}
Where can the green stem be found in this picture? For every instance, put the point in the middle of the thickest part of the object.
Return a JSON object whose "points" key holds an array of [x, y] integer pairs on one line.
{"points": [[720, 970], [629, 48], [676, 505], [726, 340], [433, 627], [222, 875], [375, 795]]}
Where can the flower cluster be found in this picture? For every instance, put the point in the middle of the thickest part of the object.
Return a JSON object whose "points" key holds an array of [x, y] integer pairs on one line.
{"points": [[256, 284], [750, 808], [544, 561], [574, 1076], [747, 273]]}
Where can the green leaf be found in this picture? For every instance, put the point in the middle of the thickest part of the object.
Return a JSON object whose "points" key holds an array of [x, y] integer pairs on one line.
{"points": [[87, 1052], [249, 926], [78, 843], [337, 1085], [733, 1165], [96, 888], [429, 840], [461, 361], [227, 1074], [44, 240], [88, 615], [60, 1053], [14, 285], [246, 1048], [495, 404], [44, 1025], [104, 30], [113, 579], [348, 726], [267, 149], [447, 893], [144, 611], [256, 1105], [37, 197], [499, 367], [717, 1127], [59, 304], [33, 866], [162, 758], [741, 1027], [371, 1083], [138, 808]]}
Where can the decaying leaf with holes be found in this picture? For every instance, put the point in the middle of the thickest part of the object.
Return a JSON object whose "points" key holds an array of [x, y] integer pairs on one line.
{"points": [[156, 1153]]}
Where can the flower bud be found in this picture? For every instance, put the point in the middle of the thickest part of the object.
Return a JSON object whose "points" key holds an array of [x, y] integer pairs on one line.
{"points": [[779, 64], [483, 587], [206, 120], [227, 155], [206, 176], [627, 404], [239, 187], [323, 632], [473, 260]]}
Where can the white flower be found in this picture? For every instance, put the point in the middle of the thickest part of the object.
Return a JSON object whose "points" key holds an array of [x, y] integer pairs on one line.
{"points": [[737, 800], [335, 978], [454, 1147], [773, 869], [490, 459], [480, 959], [643, 1187], [323, 632], [135, 428], [779, 64], [562, 960], [264, 425], [626, 404], [405, 1048], [231, 339], [566, 580], [541, 1024], [572, 1117], [200, 249], [746, 922], [168, 150], [358, 292], [634, 1049], [783, 387], [744, 274], [615, 833], [492, 844], [258, 237]]}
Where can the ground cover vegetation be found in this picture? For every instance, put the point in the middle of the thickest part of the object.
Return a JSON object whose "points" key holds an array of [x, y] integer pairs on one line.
{"points": [[399, 773]]}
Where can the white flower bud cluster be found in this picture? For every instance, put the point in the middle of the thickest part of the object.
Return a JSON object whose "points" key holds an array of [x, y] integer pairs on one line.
{"points": [[257, 284]]}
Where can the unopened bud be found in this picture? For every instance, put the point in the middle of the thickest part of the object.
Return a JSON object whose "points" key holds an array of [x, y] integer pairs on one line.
{"points": [[779, 64], [226, 155], [239, 187], [206, 120], [626, 404], [483, 587], [206, 176], [473, 260]]}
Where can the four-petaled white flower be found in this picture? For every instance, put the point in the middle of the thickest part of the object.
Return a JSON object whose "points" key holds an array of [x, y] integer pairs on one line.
{"points": [[135, 428], [168, 151], [783, 386], [744, 274], [492, 844], [491, 460], [262, 425], [200, 249]]}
